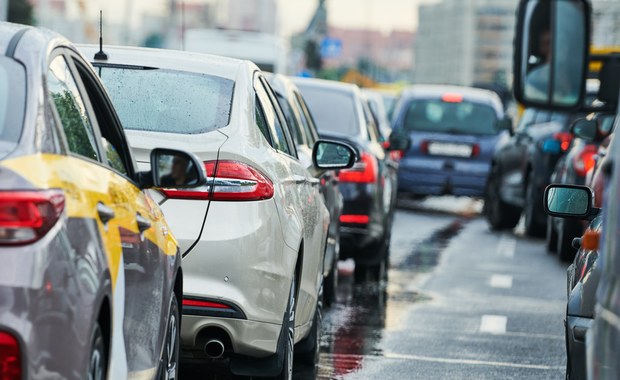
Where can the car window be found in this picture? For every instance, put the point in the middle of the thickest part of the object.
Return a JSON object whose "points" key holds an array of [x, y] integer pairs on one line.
{"points": [[142, 98], [293, 124], [333, 111], [71, 110], [278, 138], [12, 103], [261, 121], [281, 127], [306, 120], [437, 115]]}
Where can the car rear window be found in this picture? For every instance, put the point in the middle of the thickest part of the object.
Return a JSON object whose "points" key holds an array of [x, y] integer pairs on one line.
{"points": [[462, 117], [332, 111], [170, 101], [12, 103]]}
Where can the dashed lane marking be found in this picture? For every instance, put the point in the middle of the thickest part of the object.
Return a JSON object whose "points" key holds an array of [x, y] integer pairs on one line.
{"points": [[506, 246], [501, 281], [493, 324]]}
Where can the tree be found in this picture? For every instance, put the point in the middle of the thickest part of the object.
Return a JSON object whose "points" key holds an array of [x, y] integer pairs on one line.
{"points": [[20, 11]]}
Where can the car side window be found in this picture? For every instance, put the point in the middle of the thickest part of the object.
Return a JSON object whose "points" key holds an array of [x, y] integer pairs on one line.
{"points": [[306, 120], [78, 129], [293, 124], [261, 121], [278, 138]]}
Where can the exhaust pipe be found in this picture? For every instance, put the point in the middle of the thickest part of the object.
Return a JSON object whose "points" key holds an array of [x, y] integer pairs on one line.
{"points": [[214, 349]]}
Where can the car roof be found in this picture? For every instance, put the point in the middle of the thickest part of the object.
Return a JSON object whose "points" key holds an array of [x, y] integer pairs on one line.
{"points": [[170, 59], [326, 84], [471, 94]]}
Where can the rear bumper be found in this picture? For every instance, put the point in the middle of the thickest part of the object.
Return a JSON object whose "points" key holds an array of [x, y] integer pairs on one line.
{"points": [[576, 329], [442, 177]]}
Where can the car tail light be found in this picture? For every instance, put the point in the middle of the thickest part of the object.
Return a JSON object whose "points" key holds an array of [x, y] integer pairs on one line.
{"points": [[26, 216], [354, 219], [452, 98], [585, 160], [385, 145], [364, 171], [10, 357], [205, 304], [565, 139], [475, 150], [228, 181], [424, 146], [590, 240]]}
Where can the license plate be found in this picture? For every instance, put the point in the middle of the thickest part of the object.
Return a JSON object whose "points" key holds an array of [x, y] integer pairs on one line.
{"points": [[449, 149]]}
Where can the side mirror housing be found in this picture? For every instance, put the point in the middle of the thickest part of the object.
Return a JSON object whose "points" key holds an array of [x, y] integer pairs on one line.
{"points": [[175, 169], [332, 155], [586, 129], [551, 53], [399, 141], [570, 202]]}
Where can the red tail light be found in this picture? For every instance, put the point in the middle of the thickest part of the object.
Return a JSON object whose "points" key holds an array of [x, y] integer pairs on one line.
{"points": [[10, 357], [354, 219], [475, 150], [385, 145], [205, 304], [565, 139], [424, 146], [364, 171], [585, 160], [26, 216], [452, 98], [234, 181]]}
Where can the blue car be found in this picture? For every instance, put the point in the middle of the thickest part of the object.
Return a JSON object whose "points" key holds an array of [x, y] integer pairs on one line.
{"points": [[451, 135]]}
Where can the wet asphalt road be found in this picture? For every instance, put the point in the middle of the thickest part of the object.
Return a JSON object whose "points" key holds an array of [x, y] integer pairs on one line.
{"points": [[462, 302]]}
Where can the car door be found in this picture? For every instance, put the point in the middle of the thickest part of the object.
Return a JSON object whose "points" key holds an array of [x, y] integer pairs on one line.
{"points": [[139, 251]]}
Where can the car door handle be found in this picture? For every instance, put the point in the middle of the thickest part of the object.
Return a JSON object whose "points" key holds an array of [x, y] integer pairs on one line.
{"points": [[299, 179], [143, 223], [105, 213]]}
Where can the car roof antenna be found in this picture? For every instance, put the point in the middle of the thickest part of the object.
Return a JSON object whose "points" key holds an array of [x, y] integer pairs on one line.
{"points": [[101, 55]]}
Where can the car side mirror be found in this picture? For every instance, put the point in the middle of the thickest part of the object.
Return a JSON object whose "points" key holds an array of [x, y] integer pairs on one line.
{"points": [[586, 129], [175, 169], [551, 53], [570, 201], [400, 142], [332, 155], [505, 124]]}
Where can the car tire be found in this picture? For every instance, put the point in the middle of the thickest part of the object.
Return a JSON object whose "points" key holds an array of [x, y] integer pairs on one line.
{"points": [[566, 251], [331, 284], [98, 359], [170, 360], [499, 214], [551, 237], [289, 330], [532, 227], [308, 350]]}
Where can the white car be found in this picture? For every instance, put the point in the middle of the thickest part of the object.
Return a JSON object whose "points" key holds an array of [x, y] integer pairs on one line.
{"points": [[253, 239]]}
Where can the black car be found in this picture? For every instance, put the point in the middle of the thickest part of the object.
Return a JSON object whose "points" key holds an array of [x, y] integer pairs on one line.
{"points": [[572, 169], [368, 188], [521, 169], [305, 134]]}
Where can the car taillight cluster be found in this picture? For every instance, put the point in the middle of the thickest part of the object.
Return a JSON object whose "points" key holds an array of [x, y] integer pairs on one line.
{"points": [[364, 171], [26, 216], [204, 304], [228, 181], [565, 138], [585, 161], [10, 357]]}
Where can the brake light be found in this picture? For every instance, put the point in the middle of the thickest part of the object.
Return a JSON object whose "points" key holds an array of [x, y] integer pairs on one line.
{"points": [[233, 181], [364, 171], [10, 357], [475, 150], [585, 161], [565, 139], [354, 219], [205, 304], [424, 146], [385, 145], [452, 98], [26, 216]]}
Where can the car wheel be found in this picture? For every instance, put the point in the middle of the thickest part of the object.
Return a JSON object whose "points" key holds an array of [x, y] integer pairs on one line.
{"points": [[307, 351], [552, 237], [499, 214], [170, 359], [331, 284], [98, 362], [565, 235], [532, 203], [289, 346]]}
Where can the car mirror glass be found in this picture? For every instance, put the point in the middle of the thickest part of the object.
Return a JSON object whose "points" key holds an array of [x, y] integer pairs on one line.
{"points": [[585, 129], [332, 155], [176, 169], [568, 201]]}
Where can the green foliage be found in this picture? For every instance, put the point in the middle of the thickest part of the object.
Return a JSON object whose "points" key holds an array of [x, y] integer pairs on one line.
{"points": [[20, 11]]}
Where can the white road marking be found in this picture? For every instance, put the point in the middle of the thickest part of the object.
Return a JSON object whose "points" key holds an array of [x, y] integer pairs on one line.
{"points": [[502, 281], [493, 324], [471, 362], [506, 246]]}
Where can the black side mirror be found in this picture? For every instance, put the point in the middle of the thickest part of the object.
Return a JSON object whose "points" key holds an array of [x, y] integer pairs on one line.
{"points": [[332, 155], [570, 201], [505, 124], [552, 53], [175, 169], [400, 141], [586, 129]]}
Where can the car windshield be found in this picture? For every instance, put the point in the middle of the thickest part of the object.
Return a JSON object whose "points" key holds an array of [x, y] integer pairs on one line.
{"points": [[321, 103], [463, 117], [169, 101], [12, 104]]}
